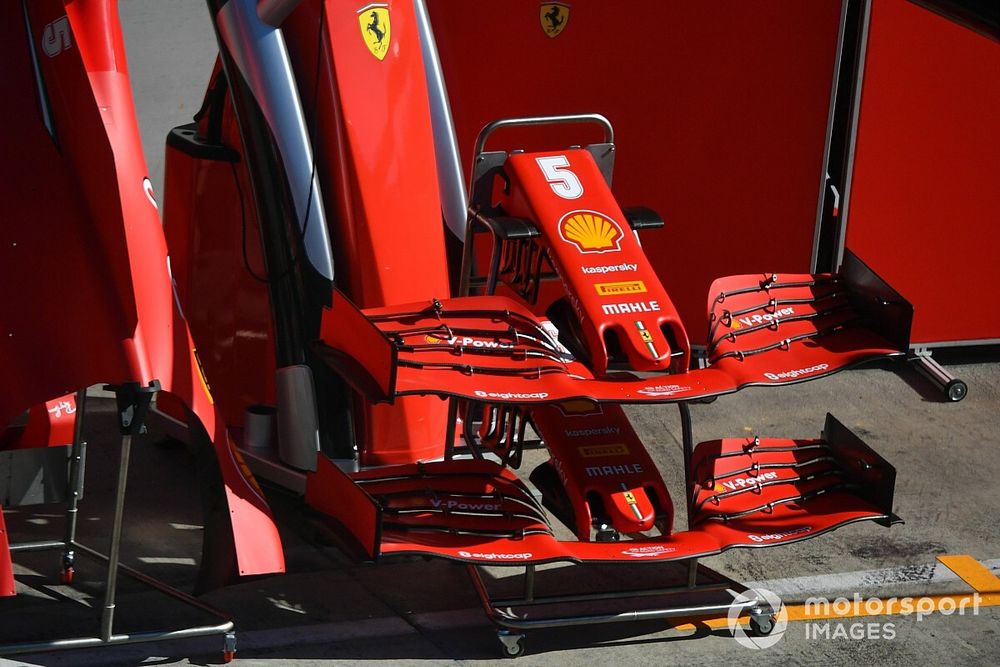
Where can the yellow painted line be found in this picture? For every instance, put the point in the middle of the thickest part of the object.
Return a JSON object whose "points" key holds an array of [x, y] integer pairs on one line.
{"points": [[972, 572]]}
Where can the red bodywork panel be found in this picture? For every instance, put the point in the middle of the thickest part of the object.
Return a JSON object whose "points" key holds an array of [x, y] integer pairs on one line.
{"points": [[48, 425], [82, 230], [371, 136], [212, 254], [376, 150], [922, 206], [566, 197]]}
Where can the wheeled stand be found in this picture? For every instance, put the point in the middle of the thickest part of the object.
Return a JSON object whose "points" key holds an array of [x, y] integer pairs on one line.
{"points": [[133, 403], [704, 593]]}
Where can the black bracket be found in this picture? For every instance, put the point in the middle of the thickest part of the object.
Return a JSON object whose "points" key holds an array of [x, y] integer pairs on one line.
{"points": [[642, 217], [133, 401]]}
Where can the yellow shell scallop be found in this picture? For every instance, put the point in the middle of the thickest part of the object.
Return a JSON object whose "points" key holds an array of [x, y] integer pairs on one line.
{"points": [[591, 231]]}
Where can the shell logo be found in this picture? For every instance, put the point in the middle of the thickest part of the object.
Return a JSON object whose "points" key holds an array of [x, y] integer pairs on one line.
{"points": [[591, 232]]}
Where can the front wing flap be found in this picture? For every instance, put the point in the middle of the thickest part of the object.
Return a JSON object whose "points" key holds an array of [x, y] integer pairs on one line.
{"points": [[749, 493], [764, 330]]}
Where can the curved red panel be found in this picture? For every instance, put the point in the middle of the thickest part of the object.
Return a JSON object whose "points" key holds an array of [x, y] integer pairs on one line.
{"points": [[87, 287]]}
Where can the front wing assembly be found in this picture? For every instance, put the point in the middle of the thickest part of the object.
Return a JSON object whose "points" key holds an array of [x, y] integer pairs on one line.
{"points": [[763, 330], [749, 492]]}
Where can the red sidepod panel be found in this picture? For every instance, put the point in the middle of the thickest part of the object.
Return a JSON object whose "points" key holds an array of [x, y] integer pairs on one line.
{"points": [[66, 292], [720, 115], [376, 156], [92, 242], [213, 239]]}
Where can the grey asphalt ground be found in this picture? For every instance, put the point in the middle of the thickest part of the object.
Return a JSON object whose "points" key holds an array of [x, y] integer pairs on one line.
{"points": [[329, 610]]}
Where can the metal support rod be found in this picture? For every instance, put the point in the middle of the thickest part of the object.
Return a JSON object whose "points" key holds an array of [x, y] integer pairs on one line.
{"points": [[953, 388], [128, 638], [529, 583], [687, 443], [468, 258], [491, 278], [164, 588], [449, 434], [108, 615], [75, 479], [694, 610], [44, 545], [611, 595]]}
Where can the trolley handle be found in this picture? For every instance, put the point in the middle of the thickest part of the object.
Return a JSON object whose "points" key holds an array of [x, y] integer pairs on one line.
{"points": [[609, 133]]}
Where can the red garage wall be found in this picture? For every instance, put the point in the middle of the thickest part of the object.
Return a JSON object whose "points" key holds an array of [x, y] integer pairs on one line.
{"points": [[924, 205], [720, 110]]}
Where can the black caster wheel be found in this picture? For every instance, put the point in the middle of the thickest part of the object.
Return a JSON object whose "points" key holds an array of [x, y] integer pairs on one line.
{"points": [[956, 390], [761, 623], [511, 643]]}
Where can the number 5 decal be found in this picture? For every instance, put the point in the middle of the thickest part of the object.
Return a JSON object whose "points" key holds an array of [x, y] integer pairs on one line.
{"points": [[562, 181]]}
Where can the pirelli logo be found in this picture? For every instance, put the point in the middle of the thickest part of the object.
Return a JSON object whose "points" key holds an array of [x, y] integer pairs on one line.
{"points": [[597, 451], [624, 287]]}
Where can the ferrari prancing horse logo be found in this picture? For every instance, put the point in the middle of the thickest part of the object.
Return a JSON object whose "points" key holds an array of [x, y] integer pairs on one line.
{"points": [[554, 16], [375, 28]]}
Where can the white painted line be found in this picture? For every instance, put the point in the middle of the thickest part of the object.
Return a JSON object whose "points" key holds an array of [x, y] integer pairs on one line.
{"points": [[164, 560], [185, 526]]}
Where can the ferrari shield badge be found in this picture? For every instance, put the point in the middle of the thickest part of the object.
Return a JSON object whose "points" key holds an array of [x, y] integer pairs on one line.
{"points": [[375, 28], [554, 16]]}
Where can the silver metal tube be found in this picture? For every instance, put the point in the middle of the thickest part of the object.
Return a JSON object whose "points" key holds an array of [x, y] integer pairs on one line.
{"points": [[130, 638], [953, 388], [38, 546], [627, 616], [75, 478], [609, 132], [449, 165], [608, 595], [108, 614]]}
